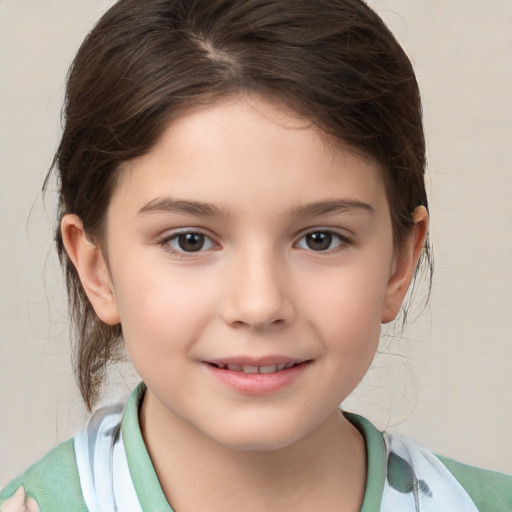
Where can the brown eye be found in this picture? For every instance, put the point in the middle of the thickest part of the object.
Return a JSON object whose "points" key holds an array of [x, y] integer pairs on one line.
{"points": [[321, 241], [191, 242], [188, 242]]}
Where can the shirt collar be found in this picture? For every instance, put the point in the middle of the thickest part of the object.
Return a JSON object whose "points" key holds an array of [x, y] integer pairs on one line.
{"points": [[151, 495]]}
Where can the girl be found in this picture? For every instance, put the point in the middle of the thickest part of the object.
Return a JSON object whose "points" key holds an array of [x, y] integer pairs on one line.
{"points": [[242, 206]]}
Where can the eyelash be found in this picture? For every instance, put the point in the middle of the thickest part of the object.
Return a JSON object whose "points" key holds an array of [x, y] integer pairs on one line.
{"points": [[166, 242]]}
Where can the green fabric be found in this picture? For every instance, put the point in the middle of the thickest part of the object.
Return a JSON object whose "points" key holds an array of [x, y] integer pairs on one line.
{"points": [[491, 491], [150, 492], [53, 482], [375, 462], [143, 474]]}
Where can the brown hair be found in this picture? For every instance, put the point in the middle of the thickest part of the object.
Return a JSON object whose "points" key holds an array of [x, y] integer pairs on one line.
{"points": [[333, 61]]}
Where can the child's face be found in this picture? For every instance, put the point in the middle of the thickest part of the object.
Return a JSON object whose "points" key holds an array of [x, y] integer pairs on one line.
{"points": [[243, 238]]}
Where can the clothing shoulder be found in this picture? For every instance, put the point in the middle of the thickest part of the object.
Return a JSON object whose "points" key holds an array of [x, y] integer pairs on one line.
{"points": [[491, 491], [416, 479], [52, 482]]}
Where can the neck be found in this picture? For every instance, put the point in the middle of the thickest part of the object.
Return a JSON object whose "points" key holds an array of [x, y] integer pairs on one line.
{"points": [[325, 470]]}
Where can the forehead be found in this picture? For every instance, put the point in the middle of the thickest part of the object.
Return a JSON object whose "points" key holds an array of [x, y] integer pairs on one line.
{"points": [[248, 149]]}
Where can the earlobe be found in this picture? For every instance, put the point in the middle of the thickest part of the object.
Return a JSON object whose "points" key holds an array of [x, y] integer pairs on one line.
{"points": [[405, 262], [91, 267]]}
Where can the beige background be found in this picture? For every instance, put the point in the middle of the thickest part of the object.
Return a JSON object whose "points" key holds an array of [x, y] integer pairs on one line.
{"points": [[447, 382]]}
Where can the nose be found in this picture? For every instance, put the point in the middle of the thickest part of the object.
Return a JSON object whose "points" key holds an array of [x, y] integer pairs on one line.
{"points": [[257, 293]]}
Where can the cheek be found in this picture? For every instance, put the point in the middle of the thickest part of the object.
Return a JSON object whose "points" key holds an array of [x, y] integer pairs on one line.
{"points": [[161, 313], [348, 311], [356, 295]]}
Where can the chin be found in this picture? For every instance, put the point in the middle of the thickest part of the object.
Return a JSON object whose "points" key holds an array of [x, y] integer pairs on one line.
{"points": [[259, 445], [259, 438]]}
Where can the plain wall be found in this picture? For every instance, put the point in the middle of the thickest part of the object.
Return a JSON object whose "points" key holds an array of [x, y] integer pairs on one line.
{"points": [[446, 382]]}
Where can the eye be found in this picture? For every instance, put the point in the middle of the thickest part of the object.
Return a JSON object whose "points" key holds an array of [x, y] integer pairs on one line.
{"points": [[187, 242], [322, 240]]}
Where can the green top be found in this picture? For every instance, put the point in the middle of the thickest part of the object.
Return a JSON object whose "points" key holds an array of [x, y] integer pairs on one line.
{"points": [[54, 481]]}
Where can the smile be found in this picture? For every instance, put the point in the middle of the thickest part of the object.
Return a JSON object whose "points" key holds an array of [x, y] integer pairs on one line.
{"points": [[265, 376], [248, 368]]}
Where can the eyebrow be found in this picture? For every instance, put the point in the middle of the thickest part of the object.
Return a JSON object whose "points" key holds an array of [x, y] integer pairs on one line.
{"points": [[332, 207], [170, 205]]}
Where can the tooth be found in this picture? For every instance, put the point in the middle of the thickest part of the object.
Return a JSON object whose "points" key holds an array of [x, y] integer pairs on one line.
{"points": [[235, 367], [268, 369], [247, 368], [289, 365], [221, 366], [280, 367]]}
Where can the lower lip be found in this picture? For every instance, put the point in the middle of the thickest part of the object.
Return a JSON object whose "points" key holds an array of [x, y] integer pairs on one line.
{"points": [[258, 383]]}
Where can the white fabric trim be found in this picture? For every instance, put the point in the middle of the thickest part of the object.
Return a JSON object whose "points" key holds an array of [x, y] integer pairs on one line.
{"points": [[102, 465], [124, 492], [434, 489], [416, 480]]}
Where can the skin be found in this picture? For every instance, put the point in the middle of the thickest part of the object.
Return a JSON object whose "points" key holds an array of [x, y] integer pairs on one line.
{"points": [[260, 287], [19, 503]]}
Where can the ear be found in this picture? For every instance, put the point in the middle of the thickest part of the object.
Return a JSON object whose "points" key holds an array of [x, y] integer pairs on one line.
{"points": [[91, 267], [404, 265]]}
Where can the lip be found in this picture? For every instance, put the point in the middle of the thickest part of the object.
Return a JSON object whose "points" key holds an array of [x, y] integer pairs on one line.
{"points": [[257, 383], [268, 360]]}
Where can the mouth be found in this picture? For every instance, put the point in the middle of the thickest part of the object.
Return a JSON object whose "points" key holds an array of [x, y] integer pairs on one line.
{"points": [[258, 376], [249, 368]]}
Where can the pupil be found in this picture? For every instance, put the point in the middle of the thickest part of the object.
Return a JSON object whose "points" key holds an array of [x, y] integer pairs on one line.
{"points": [[319, 241], [191, 242]]}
